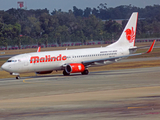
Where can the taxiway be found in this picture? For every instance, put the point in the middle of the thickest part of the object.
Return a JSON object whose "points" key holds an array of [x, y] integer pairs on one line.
{"points": [[118, 94]]}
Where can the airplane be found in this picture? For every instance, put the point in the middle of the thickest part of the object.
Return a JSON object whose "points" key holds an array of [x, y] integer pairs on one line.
{"points": [[77, 60]]}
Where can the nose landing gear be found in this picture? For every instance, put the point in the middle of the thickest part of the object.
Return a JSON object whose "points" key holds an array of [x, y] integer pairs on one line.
{"points": [[17, 77]]}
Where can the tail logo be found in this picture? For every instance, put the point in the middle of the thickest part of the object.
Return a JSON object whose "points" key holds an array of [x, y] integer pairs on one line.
{"points": [[130, 35]]}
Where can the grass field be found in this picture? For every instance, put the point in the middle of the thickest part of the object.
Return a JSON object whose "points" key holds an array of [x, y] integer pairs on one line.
{"points": [[115, 66]]}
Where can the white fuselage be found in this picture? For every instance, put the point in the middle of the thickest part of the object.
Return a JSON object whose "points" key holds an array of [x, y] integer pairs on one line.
{"points": [[54, 60]]}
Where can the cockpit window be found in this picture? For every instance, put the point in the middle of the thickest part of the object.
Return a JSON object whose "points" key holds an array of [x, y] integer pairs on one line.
{"points": [[11, 60]]}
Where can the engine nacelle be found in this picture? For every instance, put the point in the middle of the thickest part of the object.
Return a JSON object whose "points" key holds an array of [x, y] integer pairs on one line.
{"points": [[44, 72], [74, 68]]}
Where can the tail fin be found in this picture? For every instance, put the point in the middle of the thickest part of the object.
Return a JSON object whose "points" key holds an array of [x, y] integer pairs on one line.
{"points": [[128, 35]]}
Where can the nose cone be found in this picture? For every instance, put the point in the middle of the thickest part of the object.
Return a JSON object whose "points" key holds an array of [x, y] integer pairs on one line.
{"points": [[5, 67]]}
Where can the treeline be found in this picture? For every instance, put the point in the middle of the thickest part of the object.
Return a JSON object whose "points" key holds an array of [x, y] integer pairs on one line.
{"points": [[28, 27]]}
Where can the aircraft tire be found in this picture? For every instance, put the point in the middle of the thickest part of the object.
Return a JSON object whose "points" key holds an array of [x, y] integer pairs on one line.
{"points": [[85, 72], [17, 77], [65, 73]]}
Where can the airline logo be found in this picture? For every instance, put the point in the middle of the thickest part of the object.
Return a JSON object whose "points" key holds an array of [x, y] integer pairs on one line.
{"points": [[47, 58], [79, 67], [130, 35]]}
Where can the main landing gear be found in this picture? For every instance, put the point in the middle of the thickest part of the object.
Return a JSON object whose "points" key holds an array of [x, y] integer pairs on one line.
{"points": [[65, 73], [85, 72]]}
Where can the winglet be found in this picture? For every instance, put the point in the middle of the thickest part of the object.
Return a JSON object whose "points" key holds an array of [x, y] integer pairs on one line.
{"points": [[151, 48], [39, 49]]}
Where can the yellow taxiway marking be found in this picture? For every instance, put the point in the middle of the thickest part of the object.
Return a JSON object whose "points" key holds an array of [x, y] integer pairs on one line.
{"points": [[26, 80], [137, 107]]}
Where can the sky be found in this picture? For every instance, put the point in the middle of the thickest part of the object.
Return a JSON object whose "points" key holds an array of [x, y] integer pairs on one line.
{"points": [[66, 5]]}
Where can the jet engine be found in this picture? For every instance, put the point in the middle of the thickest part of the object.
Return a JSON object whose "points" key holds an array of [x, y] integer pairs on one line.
{"points": [[74, 68]]}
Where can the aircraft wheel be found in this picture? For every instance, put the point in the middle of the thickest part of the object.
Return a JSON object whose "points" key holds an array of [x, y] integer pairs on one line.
{"points": [[17, 77], [85, 72], [65, 73]]}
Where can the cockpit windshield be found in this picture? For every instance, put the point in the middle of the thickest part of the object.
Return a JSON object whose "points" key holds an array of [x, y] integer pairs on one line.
{"points": [[11, 60]]}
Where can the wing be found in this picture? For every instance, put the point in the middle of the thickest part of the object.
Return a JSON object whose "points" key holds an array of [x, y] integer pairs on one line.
{"points": [[39, 49], [118, 57]]}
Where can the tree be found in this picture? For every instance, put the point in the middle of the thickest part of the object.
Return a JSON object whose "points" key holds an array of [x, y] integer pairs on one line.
{"points": [[35, 27], [87, 12], [39, 26], [77, 12], [45, 39], [8, 19]]}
